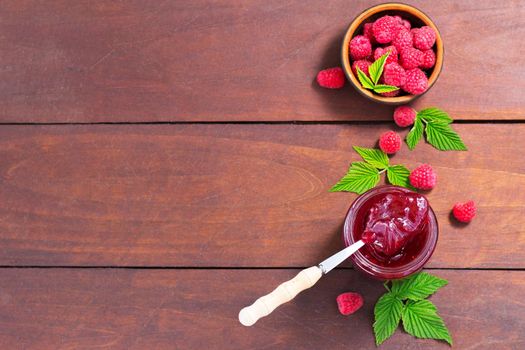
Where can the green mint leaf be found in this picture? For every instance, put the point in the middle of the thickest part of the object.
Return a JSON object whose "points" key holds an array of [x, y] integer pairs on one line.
{"points": [[434, 115], [381, 88], [442, 137], [417, 287], [376, 69], [360, 178], [398, 175], [364, 79], [415, 134], [420, 319], [373, 156], [387, 314]]}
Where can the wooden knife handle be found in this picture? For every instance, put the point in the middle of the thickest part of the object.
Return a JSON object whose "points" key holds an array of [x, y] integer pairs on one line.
{"points": [[280, 295]]}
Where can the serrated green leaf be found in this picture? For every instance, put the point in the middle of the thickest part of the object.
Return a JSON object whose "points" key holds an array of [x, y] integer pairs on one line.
{"points": [[415, 134], [373, 156], [360, 178], [364, 79], [382, 88], [398, 175], [443, 137], [376, 69], [418, 286], [421, 320], [387, 313], [435, 115]]}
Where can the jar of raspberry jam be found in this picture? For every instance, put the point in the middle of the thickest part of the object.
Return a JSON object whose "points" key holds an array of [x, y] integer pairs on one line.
{"points": [[399, 227]]}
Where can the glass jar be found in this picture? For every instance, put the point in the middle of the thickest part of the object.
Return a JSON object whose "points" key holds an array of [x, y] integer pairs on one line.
{"points": [[420, 251]]}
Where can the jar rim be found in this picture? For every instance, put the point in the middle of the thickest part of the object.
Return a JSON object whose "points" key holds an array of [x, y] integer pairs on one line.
{"points": [[359, 259]]}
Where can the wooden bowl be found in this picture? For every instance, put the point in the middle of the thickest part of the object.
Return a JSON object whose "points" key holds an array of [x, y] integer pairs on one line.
{"points": [[417, 19]]}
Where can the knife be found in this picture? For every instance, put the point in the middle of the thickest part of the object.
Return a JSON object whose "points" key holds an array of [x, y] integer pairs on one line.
{"points": [[288, 290]]}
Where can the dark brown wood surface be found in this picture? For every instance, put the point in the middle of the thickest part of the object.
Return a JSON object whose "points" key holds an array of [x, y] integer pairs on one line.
{"points": [[109, 61], [117, 232], [234, 195], [197, 309]]}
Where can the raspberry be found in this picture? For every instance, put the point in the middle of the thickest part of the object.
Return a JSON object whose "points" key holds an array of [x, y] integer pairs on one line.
{"points": [[384, 29], [360, 47], [331, 78], [429, 59], [423, 177], [394, 74], [424, 38], [390, 142], [403, 39], [410, 58], [391, 93], [406, 24], [363, 66], [404, 116], [367, 32], [464, 212], [380, 51], [348, 303], [416, 81]]}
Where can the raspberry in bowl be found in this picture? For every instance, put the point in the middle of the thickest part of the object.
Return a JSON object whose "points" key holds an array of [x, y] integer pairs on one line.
{"points": [[399, 228], [415, 51]]}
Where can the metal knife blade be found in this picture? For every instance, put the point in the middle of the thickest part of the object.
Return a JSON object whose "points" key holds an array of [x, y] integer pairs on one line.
{"points": [[330, 263]]}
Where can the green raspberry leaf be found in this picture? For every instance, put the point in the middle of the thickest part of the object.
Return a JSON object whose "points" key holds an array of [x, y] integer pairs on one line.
{"points": [[421, 320], [373, 156], [364, 79], [381, 88], [415, 134], [376, 69], [418, 286], [360, 178], [434, 115], [443, 137], [398, 175], [387, 314]]}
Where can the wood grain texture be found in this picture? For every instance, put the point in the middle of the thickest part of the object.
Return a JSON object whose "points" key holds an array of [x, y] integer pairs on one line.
{"points": [[234, 195], [92, 61], [189, 309]]}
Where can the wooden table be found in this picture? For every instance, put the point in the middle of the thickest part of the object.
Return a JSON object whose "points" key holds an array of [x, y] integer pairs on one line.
{"points": [[162, 164]]}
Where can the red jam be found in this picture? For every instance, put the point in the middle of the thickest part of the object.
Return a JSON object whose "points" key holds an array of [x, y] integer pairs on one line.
{"points": [[398, 227]]}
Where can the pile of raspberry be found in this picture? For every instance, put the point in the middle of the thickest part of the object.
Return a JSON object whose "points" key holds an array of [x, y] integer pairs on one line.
{"points": [[411, 53]]}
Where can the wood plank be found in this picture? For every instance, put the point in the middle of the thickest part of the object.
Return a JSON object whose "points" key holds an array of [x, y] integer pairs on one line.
{"points": [[234, 195], [190, 309], [225, 60]]}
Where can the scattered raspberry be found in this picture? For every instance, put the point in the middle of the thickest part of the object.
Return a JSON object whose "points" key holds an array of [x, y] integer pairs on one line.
{"points": [[363, 66], [403, 39], [404, 116], [360, 47], [416, 82], [394, 74], [390, 142], [391, 93], [423, 177], [410, 58], [348, 303], [380, 51], [367, 32], [331, 78], [424, 38], [384, 29], [464, 212], [429, 59]]}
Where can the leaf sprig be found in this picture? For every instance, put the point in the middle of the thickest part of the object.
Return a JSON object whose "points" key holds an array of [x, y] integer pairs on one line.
{"points": [[375, 70], [439, 133], [362, 176], [406, 301]]}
